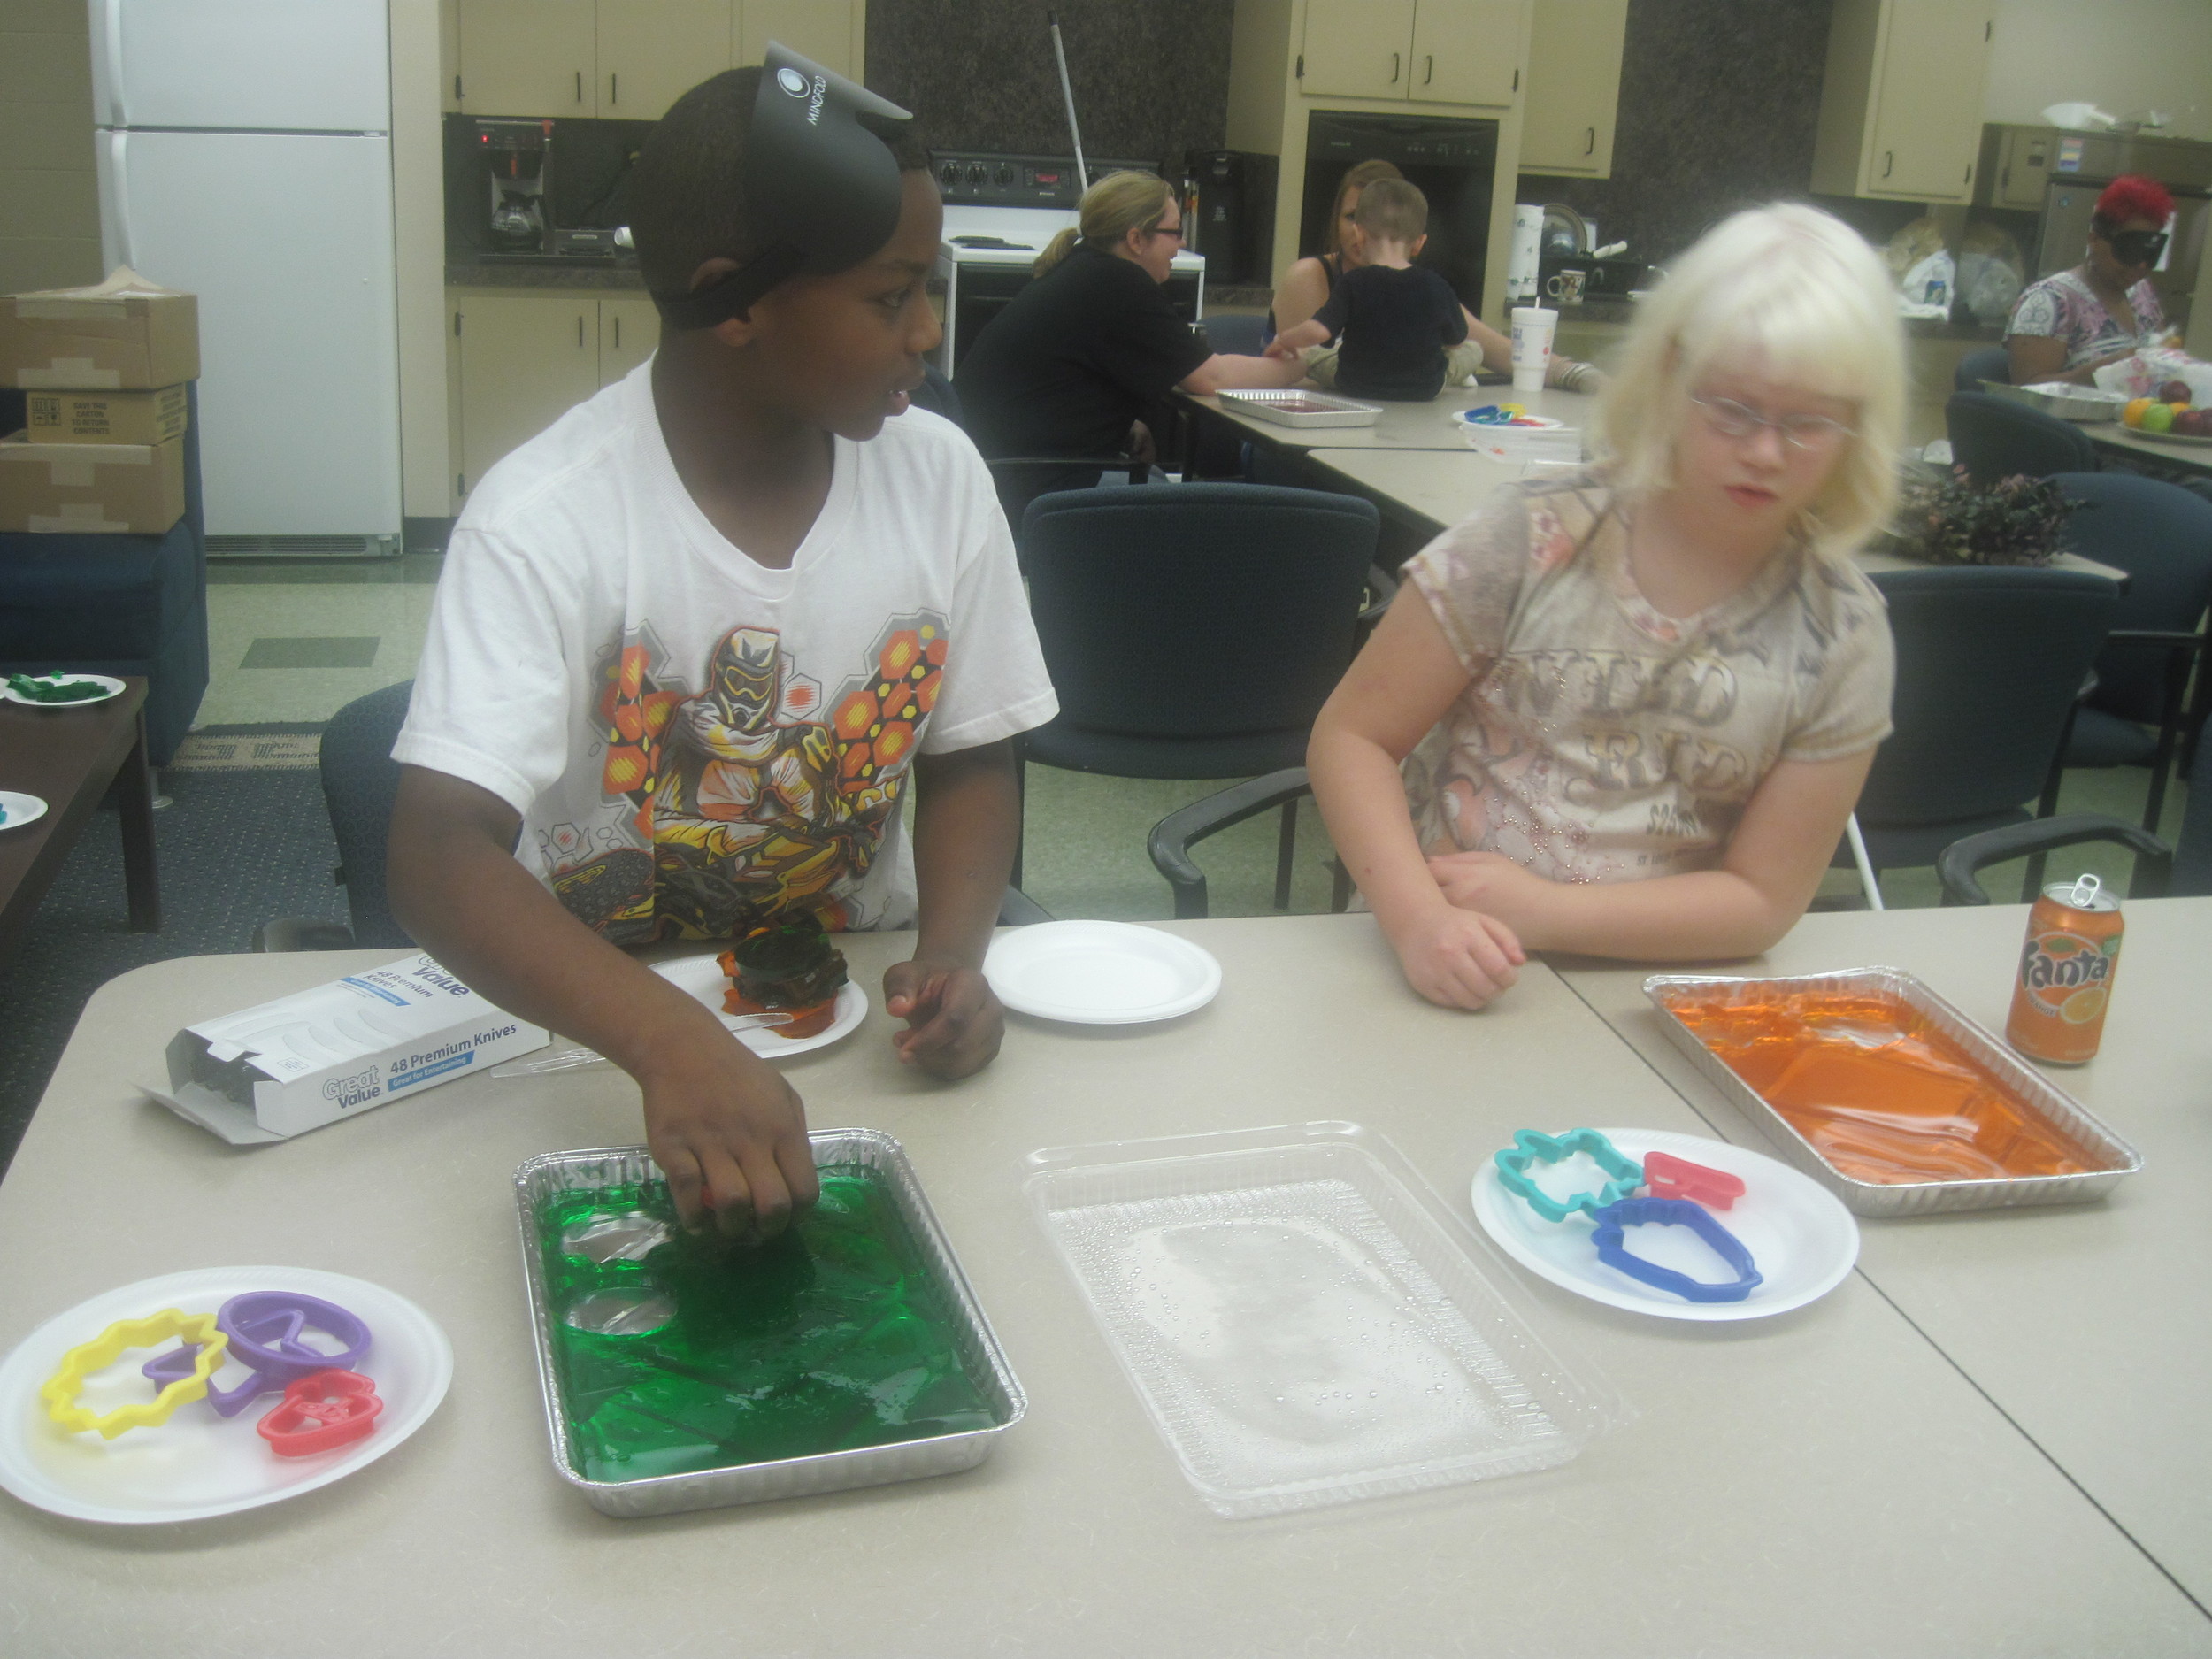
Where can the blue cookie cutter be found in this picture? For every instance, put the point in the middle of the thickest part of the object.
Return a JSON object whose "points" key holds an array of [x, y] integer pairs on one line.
{"points": [[1681, 1212], [1530, 1146]]}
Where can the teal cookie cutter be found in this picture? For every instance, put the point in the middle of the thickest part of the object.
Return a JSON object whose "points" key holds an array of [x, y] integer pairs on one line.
{"points": [[1530, 1146]]}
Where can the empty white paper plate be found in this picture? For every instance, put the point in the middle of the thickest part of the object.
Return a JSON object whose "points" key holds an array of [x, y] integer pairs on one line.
{"points": [[1800, 1237], [1100, 973]]}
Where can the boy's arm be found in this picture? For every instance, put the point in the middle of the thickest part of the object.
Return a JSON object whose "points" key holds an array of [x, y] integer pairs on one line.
{"points": [[967, 814], [1290, 341], [727, 1131], [1398, 687], [1773, 866]]}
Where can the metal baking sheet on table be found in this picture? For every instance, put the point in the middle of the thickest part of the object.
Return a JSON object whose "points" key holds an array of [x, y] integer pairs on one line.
{"points": [[1290, 407], [2084, 403], [2028, 1088], [976, 1344]]}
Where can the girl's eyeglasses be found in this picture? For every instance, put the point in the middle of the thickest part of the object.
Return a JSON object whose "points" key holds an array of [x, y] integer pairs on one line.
{"points": [[1808, 432]]}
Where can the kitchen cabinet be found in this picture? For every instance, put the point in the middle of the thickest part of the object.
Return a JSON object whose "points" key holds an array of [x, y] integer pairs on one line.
{"points": [[525, 360], [651, 52], [1574, 87], [629, 59], [833, 33], [1465, 51], [527, 57], [1900, 106], [629, 330], [1356, 48], [1432, 51]]}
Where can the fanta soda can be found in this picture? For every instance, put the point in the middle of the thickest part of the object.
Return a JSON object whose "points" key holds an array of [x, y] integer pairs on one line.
{"points": [[2066, 969]]}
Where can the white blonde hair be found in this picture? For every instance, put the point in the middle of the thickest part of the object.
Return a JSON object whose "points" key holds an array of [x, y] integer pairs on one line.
{"points": [[1795, 296]]}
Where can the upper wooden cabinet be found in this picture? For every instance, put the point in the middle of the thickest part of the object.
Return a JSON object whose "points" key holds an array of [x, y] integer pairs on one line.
{"points": [[1434, 51], [833, 33], [1574, 87], [629, 59], [527, 58], [651, 52], [1900, 110]]}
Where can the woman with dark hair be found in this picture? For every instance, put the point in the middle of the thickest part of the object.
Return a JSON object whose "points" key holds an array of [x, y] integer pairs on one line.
{"points": [[2074, 322], [1307, 284]]}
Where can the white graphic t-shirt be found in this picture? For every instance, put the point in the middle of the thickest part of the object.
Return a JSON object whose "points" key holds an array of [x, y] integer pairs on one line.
{"points": [[1600, 740], [693, 739]]}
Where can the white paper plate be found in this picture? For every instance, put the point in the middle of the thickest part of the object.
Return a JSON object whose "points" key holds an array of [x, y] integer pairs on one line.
{"points": [[114, 689], [702, 977], [1800, 1237], [1527, 423], [1100, 973], [16, 810], [198, 1465]]}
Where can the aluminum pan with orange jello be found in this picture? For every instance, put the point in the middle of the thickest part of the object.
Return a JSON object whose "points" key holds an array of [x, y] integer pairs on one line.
{"points": [[1886, 1095]]}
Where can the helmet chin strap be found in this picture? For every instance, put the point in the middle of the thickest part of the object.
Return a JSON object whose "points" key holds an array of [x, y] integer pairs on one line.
{"points": [[733, 294]]}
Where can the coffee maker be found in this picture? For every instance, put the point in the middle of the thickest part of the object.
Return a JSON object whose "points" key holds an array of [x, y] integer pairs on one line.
{"points": [[515, 157]]}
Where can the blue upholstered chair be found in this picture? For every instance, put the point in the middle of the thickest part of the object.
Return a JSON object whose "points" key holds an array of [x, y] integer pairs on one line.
{"points": [[115, 605]]}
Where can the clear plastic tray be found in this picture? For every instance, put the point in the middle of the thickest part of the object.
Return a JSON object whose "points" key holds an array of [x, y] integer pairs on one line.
{"points": [[1304, 1320]]}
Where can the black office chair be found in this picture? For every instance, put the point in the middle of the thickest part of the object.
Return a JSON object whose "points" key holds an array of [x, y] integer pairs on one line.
{"points": [[1174, 835], [936, 393], [1989, 660], [2131, 713], [1195, 631], [1983, 362], [360, 786], [1994, 438]]}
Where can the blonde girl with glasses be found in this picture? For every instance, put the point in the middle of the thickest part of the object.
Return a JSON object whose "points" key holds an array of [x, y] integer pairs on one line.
{"points": [[1625, 712]]}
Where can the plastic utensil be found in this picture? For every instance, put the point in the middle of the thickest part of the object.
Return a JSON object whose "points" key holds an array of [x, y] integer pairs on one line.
{"points": [[263, 1327], [573, 1059], [328, 1408], [59, 1392], [1666, 1176], [1530, 1146], [1610, 1238]]}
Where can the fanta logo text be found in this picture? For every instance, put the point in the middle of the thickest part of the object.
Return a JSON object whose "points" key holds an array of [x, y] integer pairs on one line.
{"points": [[2054, 965]]}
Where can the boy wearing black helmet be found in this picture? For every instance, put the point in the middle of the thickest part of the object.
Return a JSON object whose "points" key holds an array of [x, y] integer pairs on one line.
{"points": [[692, 642]]}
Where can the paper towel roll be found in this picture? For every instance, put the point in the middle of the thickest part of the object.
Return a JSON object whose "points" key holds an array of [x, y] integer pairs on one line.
{"points": [[1521, 262]]}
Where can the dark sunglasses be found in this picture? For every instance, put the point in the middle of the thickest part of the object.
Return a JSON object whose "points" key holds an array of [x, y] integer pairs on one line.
{"points": [[2137, 246]]}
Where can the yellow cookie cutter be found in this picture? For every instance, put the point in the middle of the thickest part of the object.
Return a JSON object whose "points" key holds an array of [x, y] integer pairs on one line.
{"points": [[59, 1392]]}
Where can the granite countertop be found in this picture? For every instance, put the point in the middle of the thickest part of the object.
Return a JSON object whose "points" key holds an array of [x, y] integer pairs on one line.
{"points": [[550, 273]]}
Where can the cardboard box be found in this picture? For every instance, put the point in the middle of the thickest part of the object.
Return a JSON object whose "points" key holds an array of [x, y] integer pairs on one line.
{"points": [[106, 417], [270, 1072], [91, 488], [121, 335]]}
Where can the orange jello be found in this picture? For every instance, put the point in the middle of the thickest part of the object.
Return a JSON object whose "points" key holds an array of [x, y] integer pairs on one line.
{"points": [[1883, 1095]]}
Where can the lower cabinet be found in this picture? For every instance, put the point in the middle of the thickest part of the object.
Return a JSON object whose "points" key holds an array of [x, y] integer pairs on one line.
{"points": [[518, 362]]}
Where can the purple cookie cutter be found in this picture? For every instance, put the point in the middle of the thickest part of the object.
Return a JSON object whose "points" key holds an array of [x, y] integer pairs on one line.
{"points": [[265, 1327]]}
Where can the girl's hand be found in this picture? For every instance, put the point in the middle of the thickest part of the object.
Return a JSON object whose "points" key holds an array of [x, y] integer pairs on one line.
{"points": [[1490, 882], [1458, 958]]}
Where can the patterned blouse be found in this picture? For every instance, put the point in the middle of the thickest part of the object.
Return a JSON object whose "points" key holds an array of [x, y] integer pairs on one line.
{"points": [[2064, 307]]}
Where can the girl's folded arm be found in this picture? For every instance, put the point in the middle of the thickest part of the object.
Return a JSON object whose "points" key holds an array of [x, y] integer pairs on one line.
{"points": [[1773, 866]]}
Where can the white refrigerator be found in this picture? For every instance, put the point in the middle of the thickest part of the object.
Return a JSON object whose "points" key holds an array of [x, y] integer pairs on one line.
{"points": [[244, 151]]}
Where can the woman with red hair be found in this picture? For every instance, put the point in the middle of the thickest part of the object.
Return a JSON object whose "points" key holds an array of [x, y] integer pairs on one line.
{"points": [[2072, 323]]}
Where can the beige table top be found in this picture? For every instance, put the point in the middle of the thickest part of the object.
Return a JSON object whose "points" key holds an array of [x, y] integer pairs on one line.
{"points": [[1443, 487], [2110, 434], [1821, 1483], [2087, 1324], [1429, 425]]}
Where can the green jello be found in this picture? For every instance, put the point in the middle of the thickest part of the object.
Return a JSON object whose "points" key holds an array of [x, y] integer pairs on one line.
{"points": [[836, 1336]]}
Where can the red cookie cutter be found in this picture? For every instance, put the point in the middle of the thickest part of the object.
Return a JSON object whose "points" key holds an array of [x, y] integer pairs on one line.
{"points": [[326, 1409], [1669, 1177]]}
